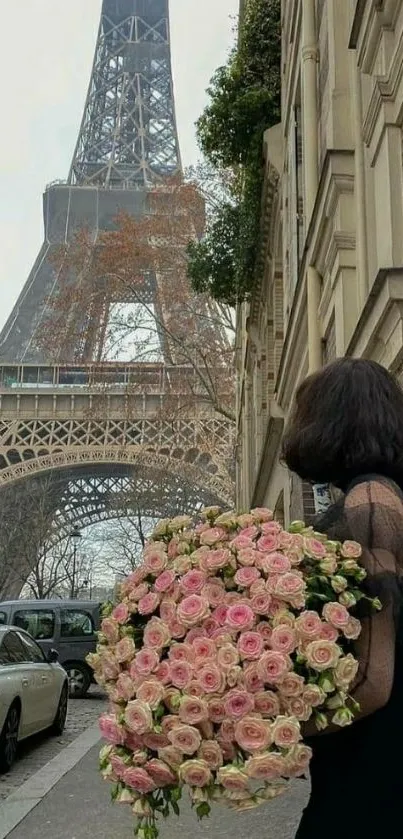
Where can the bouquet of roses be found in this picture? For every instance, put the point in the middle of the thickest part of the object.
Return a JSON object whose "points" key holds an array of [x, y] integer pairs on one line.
{"points": [[229, 637]]}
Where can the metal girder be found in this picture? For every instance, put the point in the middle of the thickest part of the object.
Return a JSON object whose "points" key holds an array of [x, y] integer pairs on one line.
{"points": [[128, 136]]}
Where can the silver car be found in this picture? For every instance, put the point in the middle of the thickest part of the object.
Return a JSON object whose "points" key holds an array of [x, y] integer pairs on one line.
{"points": [[33, 692]]}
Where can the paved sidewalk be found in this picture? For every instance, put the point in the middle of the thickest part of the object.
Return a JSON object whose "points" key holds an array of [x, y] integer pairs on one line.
{"points": [[78, 807]]}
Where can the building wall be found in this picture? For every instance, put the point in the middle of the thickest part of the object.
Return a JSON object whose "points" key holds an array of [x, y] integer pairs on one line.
{"points": [[332, 227]]}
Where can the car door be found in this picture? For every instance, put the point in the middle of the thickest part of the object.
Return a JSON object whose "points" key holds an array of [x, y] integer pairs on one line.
{"points": [[77, 634], [47, 678], [17, 679]]}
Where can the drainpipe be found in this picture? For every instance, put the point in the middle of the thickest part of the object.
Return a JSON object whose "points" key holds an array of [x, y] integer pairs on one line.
{"points": [[310, 58], [360, 192]]}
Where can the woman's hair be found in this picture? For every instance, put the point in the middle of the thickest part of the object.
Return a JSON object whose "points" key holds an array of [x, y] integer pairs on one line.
{"points": [[347, 422]]}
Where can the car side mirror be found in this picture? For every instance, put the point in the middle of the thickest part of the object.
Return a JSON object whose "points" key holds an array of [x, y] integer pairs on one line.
{"points": [[53, 656]]}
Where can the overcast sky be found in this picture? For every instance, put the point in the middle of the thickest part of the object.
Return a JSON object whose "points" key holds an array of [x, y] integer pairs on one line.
{"points": [[46, 54]]}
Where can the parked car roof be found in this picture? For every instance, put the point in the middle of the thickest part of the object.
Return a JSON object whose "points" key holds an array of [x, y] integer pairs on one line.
{"points": [[89, 604]]}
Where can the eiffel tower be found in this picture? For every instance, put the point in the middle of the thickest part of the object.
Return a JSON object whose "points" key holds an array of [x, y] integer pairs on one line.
{"points": [[53, 419]]}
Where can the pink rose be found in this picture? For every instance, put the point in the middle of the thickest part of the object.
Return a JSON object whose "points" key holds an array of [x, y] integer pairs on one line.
{"points": [[164, 581], [262, 514], [121, 613], [194, 689], [351, 550], [328, 633], [138, 779], [193, 582], [276, 563], [138, 717], [218, 559], [216, 709], [160, 773], [111, 730], [125, 687], [267, 703], [346, 671], [212, 535], [353, 629], [240, 616], [173, 757], [260, 603], [109, 666], [195, 773], [238, 703], [336, 614], [247, 556], [203, 648], [156, 634], [314, 548], [246, 576], [232, 778], [110, 629], [211, 679], [265, 631], [167, 609], [149, 603], [298, 708], [242, 543], [170, 721], [252, 734], [250, 532], [155, 560], [195, 632], [283, 639], [227, 656], [186, 738], [146, 661], [193, 710], [177, 629], [313, 695], [290, 586], [309, 625], [271, 527], [182, 652], [266, 767], [125, 649], [192, 610], [151, 693], [211, 753], [286, 732], [118, 765], [220, 614], [273, 666], [136, 577], [292, 685], [299, 758], [253, 682], [133, 741], [139, 592], [322, 655], [214, 592], [181, 673], [250, 645], [267, 543], [182, 564], [155, 740]]}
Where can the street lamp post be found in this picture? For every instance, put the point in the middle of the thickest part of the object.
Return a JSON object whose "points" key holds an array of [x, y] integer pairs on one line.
{"points": [[75, 537]]}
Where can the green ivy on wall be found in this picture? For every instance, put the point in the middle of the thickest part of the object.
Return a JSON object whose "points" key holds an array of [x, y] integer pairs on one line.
{"points": [[244, 100]]}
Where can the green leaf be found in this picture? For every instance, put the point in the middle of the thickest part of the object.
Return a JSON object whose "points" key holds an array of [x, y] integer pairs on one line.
{"points": [[203, 810]]}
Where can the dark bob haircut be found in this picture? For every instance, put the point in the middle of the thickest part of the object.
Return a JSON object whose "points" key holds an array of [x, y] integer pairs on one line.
{"points": [[347, 422]]}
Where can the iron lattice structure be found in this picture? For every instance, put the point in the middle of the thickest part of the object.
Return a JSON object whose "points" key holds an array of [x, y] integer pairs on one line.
{"points": [[126, 150], [128, 137]]}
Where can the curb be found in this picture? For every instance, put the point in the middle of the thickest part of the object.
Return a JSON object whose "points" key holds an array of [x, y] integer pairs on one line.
{"points": [[23, 800]]}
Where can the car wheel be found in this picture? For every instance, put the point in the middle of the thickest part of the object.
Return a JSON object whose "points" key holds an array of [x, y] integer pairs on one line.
{"points": [[9, 739], [59, 721], [79, 679]]}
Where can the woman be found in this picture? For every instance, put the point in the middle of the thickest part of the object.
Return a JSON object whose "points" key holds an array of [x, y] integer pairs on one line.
{"points": [[347, 430]]}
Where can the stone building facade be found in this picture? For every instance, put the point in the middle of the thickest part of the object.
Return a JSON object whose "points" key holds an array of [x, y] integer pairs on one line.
{"points": [[332, 227]]}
